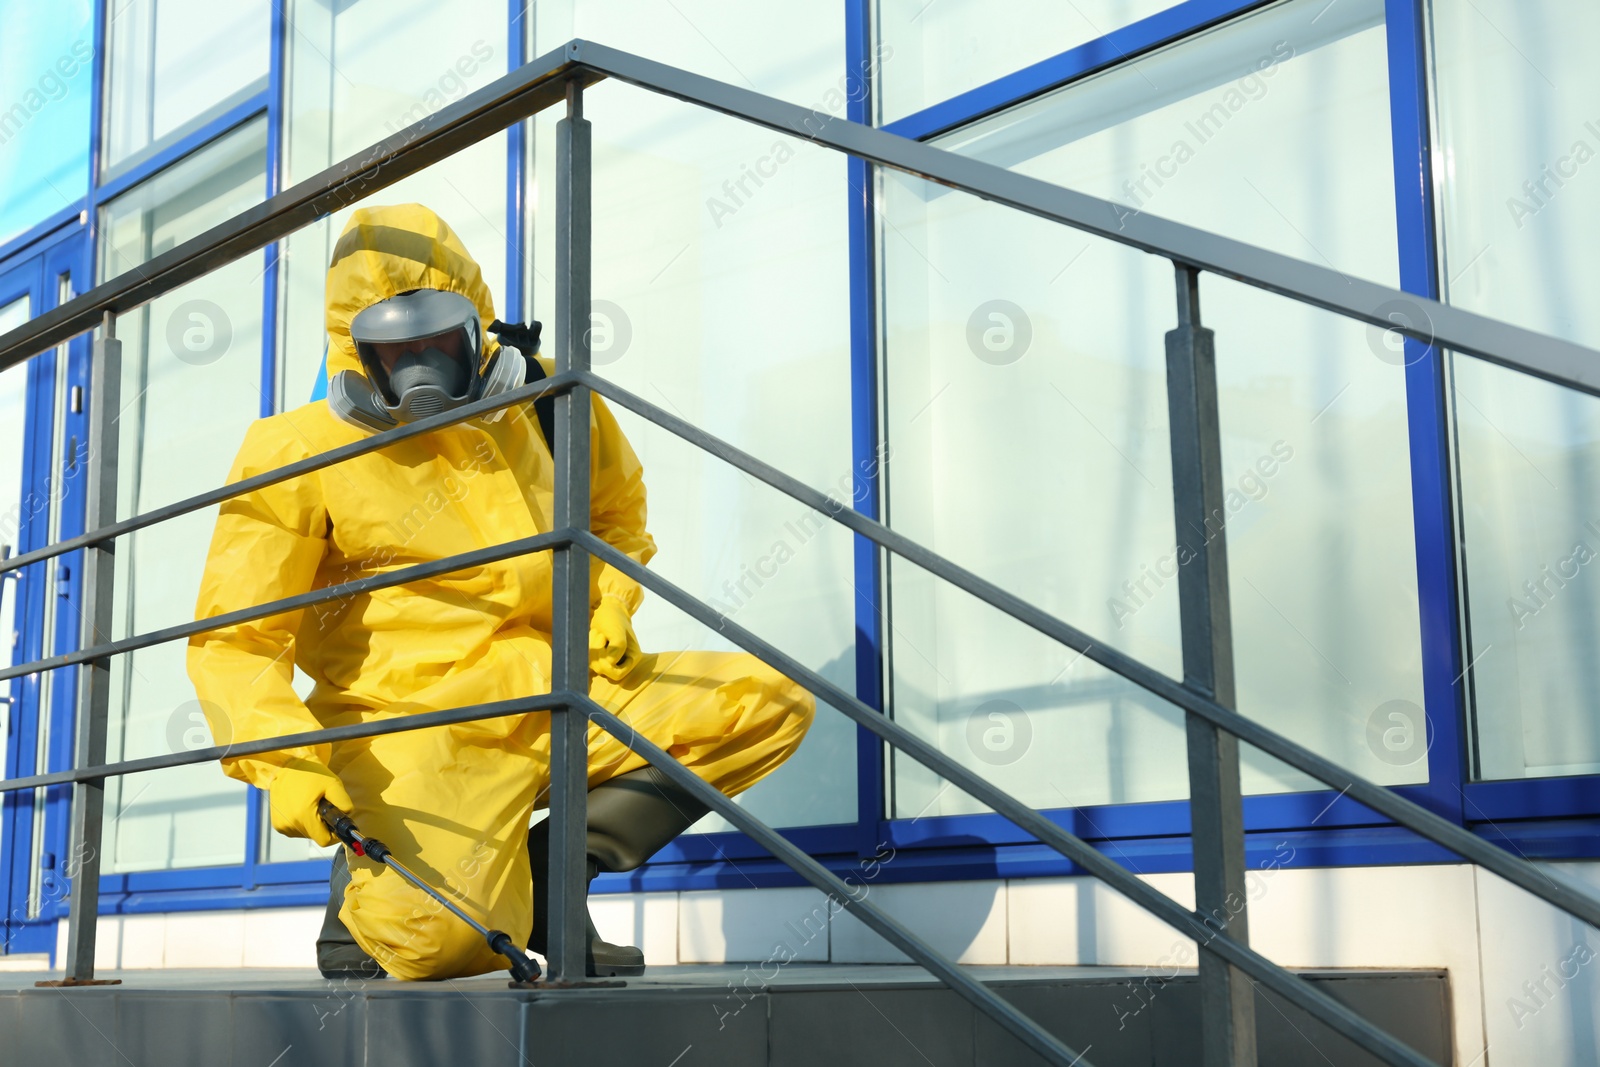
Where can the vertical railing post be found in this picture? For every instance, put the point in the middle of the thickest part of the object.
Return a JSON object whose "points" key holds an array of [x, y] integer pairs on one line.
{"points": [[94, 688], [569, 727], [1216, 812]]}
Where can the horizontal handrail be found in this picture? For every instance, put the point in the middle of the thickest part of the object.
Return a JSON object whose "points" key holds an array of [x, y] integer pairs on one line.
{"points": [[1075, 848], [892, 931], [1549, 886], [420, 720], [1194, 925], [540, 83], [417, 572], [1402, 811], [511, 98], [1417, 317], [1190, 923], [551, 386]]}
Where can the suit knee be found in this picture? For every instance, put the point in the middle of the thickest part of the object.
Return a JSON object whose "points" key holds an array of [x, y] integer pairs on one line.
{"points": [[804, 705], [798, 706], [427, 942], [780, 690]]}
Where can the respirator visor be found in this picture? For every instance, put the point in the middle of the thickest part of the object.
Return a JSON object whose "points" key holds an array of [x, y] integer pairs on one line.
{"points": [[421, 351]]}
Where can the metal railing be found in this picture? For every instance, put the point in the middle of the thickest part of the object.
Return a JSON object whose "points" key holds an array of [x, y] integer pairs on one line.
{"points": [[1228, 964]]}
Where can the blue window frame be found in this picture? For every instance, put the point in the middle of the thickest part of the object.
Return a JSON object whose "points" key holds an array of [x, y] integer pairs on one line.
{"points": [[1550, 818], [33, 828]]}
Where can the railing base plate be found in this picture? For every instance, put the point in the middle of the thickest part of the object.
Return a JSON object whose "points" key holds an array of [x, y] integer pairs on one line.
{"points": [[542, 984], [59, 983]]}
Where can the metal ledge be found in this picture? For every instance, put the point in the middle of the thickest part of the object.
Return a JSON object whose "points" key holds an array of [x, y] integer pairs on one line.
{"points": [[761, 1014]]}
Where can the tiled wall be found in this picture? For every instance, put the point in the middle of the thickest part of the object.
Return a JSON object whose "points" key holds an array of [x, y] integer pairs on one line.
{"points": [[1524, 977], [271, 937]]}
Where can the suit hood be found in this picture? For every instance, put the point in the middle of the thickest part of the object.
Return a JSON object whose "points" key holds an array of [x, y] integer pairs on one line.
{"points": [[388, 250]]}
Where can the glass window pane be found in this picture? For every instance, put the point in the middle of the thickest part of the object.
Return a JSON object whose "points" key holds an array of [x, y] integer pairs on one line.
{"points": [[358, 72], [13, 407], [191, 385], [1026, 408], [791, 51], [1239, 130], [1518, 203], [58, 628], [175, 65], [721, 295], [46, 86], [935, 49]]}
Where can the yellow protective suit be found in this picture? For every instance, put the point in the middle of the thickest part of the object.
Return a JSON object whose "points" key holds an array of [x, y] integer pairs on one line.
{"points": [[454, 803]]}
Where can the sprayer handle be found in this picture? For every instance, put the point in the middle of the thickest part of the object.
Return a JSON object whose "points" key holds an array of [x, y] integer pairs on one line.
{"points": [[344, 828], [524, 338]]}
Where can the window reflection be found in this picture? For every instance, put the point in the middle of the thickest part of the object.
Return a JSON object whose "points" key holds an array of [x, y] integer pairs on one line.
{"points": [[1027, 410], [190, 386]]}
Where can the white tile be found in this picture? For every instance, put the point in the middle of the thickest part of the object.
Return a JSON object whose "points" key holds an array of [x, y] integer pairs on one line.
{"points": [[648, 920], [281, 937], [107, 943], [106, 940], [27, 961], [1541, 975], [1417, 916], [1420, 916], [205, 939], [1365, 916], [142, 942], [1083, 921], [721, 925], [135, 942], [964, 920]]}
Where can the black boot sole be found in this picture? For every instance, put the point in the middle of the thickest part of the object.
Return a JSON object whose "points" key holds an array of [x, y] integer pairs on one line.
{"points": [[362, 976], [364, 968], [615, 970]]}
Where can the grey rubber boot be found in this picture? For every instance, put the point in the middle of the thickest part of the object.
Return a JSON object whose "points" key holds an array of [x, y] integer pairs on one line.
{"points": [[631, 818], [635, 815], [601, 959], [338, 955]]}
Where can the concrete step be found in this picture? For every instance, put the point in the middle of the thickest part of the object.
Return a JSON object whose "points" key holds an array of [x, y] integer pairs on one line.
{"points": [[798, 1015]]}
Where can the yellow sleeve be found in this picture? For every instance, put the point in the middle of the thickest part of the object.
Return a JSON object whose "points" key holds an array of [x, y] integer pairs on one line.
{"points": [[266, 545], [617, 503]]}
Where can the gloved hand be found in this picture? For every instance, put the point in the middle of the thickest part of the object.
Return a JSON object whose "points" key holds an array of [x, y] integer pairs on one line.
{"points": [[613, 648], [293, 799]]}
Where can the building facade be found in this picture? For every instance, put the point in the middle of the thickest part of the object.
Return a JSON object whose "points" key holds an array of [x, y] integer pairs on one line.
{"points": [[1410, 534]]}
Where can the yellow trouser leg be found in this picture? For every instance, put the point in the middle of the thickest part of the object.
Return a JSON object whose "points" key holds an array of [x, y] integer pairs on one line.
{"points": [[726, 715], [456, 811]]}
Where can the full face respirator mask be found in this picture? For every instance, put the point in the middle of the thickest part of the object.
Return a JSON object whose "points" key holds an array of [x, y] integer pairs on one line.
{"points": [[421, 354]]}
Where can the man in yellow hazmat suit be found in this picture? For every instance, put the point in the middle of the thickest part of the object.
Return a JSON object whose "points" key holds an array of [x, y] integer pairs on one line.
{"points": [[407, 310]]}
